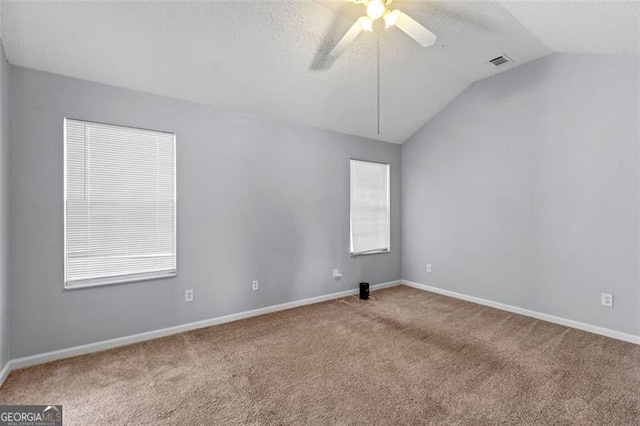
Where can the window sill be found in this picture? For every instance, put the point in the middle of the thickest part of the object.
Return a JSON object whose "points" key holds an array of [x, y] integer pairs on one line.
{"points": [[78, 285], [367, 253]]}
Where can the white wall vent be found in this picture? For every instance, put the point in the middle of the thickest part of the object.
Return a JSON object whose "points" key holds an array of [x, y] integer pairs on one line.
{"points": [[502, 59]]}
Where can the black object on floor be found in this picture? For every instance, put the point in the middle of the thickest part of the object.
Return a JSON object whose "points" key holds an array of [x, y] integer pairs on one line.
{"points": [[364, 291]]}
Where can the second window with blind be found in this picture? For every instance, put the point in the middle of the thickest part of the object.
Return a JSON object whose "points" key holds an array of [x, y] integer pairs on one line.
{"points": [[120, 204], [370, 208]]}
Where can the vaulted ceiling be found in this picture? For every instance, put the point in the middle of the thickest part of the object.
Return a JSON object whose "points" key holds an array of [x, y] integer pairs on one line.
{"points": [[271, 58]]}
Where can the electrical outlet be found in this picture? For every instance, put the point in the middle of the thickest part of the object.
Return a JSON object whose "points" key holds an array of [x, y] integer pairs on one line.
{"points": [[188, 295], [428, 267], [336, 274], [255, 285], [607, 300]]}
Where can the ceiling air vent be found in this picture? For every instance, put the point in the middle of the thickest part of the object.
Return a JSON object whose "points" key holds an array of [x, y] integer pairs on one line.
{"points": [[502, 59]]}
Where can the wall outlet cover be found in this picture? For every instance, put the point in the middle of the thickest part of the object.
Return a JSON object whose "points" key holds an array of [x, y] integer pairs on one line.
{"points": [[607, 300], [255, 285], [428, 267], [188, 295]]}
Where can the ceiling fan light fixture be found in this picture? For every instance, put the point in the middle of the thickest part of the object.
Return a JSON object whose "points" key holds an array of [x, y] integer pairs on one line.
{"points": [[375, 9], [390, 17], [366, 23]]}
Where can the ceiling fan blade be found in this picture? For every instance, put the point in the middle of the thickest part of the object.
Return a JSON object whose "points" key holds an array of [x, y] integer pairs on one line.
{"points": [[346, 40], [415, 30]]}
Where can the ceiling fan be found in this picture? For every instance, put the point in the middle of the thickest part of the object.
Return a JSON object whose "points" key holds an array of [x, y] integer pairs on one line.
{"points": [[376, 9]]}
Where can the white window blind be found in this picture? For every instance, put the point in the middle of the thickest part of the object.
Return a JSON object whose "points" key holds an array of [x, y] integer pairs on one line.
{"points": [[370, 213], [120, 204]]}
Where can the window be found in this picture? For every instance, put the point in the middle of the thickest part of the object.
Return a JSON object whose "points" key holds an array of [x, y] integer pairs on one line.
{"points": [[370, 214], [120, 204]]}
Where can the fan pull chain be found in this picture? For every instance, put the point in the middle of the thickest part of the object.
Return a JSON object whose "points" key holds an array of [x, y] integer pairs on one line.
{"points": [[378, 78]]}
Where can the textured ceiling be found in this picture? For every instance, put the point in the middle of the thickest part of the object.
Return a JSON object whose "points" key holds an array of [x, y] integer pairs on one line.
{"points": [[582, 27], [270, 58]]}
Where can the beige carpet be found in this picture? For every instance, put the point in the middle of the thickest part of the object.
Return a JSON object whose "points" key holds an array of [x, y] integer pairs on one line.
{"points": [[410, 357]]}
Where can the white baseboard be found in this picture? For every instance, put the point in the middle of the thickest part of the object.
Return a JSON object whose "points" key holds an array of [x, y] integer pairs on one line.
{"points": [[4, 373], [141, 337], [631, 338]]}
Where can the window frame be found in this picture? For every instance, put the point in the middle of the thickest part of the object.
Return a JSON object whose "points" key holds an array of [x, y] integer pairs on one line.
{"points": [[121, 279], [379, 251]]}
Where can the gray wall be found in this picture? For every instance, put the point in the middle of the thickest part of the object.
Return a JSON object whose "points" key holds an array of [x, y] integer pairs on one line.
{"points": [[257, 199], [524, 190], [4, 209]]}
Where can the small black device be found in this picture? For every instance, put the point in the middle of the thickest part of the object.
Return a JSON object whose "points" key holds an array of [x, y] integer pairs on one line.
{"points": [[364, 291]]}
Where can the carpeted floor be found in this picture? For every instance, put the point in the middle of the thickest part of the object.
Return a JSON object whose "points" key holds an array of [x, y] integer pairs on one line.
{"points": [[409, 357]]}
